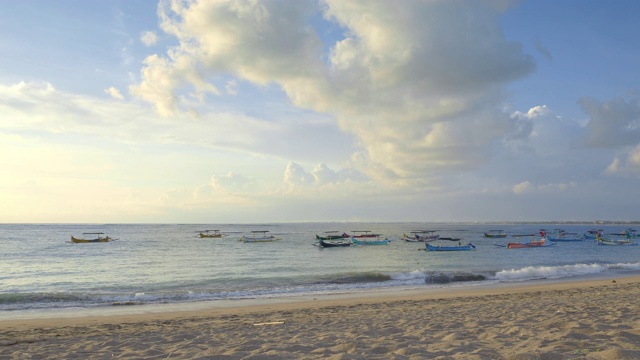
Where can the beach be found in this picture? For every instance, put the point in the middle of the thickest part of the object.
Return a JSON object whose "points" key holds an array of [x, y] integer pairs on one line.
{"points": [[594, 319]]}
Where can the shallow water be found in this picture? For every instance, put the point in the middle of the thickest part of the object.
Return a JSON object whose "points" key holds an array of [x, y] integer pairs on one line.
{"points": [[40, 268]]}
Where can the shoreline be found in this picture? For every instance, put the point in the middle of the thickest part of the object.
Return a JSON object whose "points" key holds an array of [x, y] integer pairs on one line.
{"points": [[593, 318], [368, 296]]}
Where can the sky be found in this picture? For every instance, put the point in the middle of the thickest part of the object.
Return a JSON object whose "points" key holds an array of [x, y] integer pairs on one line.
{"points": [[319, 110]]}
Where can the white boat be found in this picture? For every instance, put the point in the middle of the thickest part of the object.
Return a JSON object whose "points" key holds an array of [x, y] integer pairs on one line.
{"points": [[608, 239], [258, 236]]}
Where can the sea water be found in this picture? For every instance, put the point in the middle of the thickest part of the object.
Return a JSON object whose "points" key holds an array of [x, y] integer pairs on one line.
{"points": [[42, 270]]}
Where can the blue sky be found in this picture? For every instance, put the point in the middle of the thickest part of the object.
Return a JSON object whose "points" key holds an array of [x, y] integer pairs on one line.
{"points": [[272, 111]]}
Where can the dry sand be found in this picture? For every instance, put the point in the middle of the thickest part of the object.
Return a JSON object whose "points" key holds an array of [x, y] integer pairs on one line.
{"points": [[577, 320]]}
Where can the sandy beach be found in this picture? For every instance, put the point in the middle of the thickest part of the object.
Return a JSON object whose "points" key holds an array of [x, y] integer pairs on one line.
{"points": [[597, 319]]}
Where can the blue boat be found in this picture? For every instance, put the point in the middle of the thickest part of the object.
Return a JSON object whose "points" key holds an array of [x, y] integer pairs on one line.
{"points": [[370, 242], [467, 247]]}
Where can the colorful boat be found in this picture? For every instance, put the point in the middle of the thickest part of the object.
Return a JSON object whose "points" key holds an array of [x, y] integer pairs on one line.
{"points": [[459, 247], [495, 234], [421, 236], [210, 234], [99, 238], [258, 236], [370, 242]]}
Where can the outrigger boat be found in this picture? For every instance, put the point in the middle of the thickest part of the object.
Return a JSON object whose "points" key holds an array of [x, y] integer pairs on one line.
{"points": [[370, 242], [495, 234], [421, 236], [526, 245], [332, 235], [560, 235], [608, 240], [332, 243], [592, 234], [628, 233], [459, 247], [210, 234], [332, 239], [100, 238], [358, 234], [258, 236]]}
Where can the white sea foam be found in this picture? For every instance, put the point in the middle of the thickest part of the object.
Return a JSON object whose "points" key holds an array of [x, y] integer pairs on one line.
{"points": [[556, 272]]}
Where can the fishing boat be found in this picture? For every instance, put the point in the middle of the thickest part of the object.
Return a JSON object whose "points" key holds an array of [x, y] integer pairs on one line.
{"points": [[530, 244], [421, 236], [99, 237], [210, 234], [332, 243], [628, 233], [495, 234], [332, 239], [592, 234], [356, 241], [610, 240], [459, 247], [258, 236], [332, 235], [560, 235], [359, 234], [631, 233]]}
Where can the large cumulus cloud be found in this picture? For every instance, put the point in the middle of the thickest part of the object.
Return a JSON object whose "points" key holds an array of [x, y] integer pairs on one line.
{"points": [[418, 84]]}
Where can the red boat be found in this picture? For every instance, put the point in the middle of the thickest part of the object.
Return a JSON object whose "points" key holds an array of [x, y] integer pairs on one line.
{"points": [[519, 245]]}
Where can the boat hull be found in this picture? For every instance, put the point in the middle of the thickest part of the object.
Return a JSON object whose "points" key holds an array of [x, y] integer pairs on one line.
{"points": [[83, 241], [330, 237], [419, 238], [259, 240], [468, 247], [487, 235], [326, 244], [533, 244], [564, 239], [614, 242], [369, 242], [209, 236]]}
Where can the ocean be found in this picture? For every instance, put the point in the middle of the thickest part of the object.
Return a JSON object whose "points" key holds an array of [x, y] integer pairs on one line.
{"points": [[42, 270]]}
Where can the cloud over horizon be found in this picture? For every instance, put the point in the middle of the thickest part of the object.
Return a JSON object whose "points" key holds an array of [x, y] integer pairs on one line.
{"points": [[418, 94]]}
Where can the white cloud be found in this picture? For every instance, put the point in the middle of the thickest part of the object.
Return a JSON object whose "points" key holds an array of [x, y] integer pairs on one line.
{"points": [[149, 38], [295, 175], [418, 85], [615, 123], [115, 93], [527, 187], [234, 183], [523, 187], [625, 165], [232, 87]]}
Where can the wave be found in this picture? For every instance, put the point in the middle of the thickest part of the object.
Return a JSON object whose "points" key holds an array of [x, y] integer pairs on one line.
{"points": [[562, 271], [338, 283]]}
